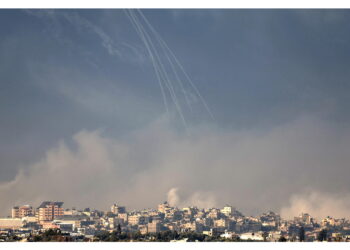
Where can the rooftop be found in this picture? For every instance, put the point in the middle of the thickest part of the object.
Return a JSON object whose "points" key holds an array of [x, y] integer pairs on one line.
{"points": [[46, 203]]}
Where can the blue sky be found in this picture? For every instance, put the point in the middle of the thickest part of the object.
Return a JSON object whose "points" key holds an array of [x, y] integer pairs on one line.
{"points": [[65, 71]]}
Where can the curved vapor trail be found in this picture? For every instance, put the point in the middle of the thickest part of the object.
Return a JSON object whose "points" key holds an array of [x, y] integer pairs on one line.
{"points": [[164, 44], [164, 48], [161, 68], [178, 80], [167, 79], [158, 64], [139, 32]]}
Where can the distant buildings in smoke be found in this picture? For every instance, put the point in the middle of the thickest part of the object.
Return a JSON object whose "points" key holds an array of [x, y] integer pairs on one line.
{"points": [[227, 222]]}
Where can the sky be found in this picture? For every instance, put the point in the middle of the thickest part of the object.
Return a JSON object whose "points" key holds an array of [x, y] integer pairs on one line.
{"points": [[262, 124]]}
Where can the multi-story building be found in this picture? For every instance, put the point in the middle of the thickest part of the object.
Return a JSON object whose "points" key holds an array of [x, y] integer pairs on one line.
{"points": [[227, 210], [11, 223], [164, 207], [49, 210], [75, 221], [136, 219], [117, 209], [154, 227], [123, 218], [192, 227], [214, 213], [328, 221], [221, 223], [22, 211], [114, 222], [306, 218]]}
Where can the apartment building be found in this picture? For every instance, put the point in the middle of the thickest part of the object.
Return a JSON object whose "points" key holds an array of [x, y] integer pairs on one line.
{"points": [[154, 227], [115, 209], [22, 211], [49, 210]]}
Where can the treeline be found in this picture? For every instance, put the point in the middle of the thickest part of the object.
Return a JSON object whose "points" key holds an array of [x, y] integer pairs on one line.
{"points": [[165, 236], [54, 235]]}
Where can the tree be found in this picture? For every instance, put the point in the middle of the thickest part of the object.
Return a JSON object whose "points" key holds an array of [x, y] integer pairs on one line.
{"points": [[265, 235], [136, 236], [114, 236], [322, 235], [37, 238], [103, 236], [282, 239], [119, 229], [302, 234]]}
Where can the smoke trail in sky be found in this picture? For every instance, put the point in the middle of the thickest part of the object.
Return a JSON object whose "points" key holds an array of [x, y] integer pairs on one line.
{"points": [[157, 63], [164, 72], [176, 86], [164, 45], [140, 33], [168, 70]]}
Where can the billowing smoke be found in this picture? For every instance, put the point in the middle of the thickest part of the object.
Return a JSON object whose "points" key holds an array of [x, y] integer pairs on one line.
{"points": [[198, 199], [251, 170], [319, 205], [173, 197]]}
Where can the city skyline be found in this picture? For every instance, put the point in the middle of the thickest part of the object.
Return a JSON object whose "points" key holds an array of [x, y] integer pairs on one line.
{"points": [[197, 107], [24, 210], [52, 222]]}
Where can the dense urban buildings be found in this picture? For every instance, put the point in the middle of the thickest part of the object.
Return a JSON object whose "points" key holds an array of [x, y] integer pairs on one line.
{"points": [[166, 223]]}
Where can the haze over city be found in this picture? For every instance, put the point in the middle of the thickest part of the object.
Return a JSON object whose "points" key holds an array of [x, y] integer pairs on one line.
{"points": [[262, 124]]}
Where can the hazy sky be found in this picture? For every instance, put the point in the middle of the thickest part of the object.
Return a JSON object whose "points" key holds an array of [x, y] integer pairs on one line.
{"points": [[82, 117]]}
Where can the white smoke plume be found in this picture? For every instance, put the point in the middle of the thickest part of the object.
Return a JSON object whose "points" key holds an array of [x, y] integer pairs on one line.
{"points": [[318, 205], [173, 198], [197, 199]]}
